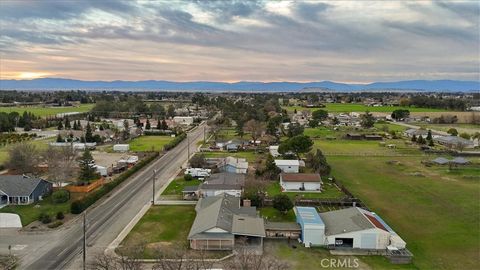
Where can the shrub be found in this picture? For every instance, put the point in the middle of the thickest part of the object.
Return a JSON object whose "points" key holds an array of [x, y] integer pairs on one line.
{"points": [[188, 177], [60, 215], [178, 139], [282, 203], [55, 224], [60, 196], [44, 218]]}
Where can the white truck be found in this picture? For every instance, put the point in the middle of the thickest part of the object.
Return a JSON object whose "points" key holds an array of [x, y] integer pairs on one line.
{"points": [[198, 172]]}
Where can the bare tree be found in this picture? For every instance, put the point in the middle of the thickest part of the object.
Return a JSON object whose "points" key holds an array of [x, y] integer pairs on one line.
{"points": [[61, 163], [255, 128], [247, 259], [120, 262], [23, 157], [180, 259]]}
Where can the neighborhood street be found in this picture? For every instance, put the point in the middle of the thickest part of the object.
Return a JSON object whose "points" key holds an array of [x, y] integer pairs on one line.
{"points": [[62, 249]]}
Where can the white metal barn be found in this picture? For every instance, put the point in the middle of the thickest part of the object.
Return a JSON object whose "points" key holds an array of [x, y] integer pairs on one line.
{"points": [[357, 228], [313, 228], [288, 165]]}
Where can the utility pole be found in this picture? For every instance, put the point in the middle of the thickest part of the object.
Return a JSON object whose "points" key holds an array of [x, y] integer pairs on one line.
{"points": [[84, 240], [153, 188], [204, 138], [188, 148]]}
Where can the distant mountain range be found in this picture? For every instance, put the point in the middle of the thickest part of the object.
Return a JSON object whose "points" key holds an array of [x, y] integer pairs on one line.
{"points": [[244, 86]]}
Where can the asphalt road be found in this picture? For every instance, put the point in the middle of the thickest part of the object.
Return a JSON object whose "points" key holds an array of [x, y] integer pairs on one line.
{"points": [[63, 249]]}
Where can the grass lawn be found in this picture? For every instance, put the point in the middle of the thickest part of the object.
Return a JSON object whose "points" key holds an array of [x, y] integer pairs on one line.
{"points": [[149, 143], [389, 127], [251, 156], [30, 213], [40, 144], [272, 214], [351, 107], [161, 227], [177, 185], [228, 134], [47, 111], [437, 213], [329, 191], [354, 147], [318, 132]]}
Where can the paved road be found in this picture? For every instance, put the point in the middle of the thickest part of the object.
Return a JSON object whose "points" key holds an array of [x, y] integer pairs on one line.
{"points": [[63, 249]]}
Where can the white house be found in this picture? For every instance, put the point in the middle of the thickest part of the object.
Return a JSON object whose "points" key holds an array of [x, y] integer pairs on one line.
{"points": [[300, 181], [288, 165], [183, 120]]}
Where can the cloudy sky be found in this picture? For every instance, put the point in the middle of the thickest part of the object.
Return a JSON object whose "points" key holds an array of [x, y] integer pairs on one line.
{"points": [[240, 40]]}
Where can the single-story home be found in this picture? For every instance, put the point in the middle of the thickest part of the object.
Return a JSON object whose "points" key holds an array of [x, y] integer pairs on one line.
{"points": [[221, 224], [288, 165], [183, 120], [234, 165], [300, 181], [454, 141], [220, 183], [20, 189], [417, 132]]}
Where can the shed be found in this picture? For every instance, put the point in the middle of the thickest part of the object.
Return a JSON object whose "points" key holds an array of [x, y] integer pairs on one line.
{"points": [[121, 147], [460, 161], [288, 165], [300, 181], [441, 161], [289, 230], [313, 227]]}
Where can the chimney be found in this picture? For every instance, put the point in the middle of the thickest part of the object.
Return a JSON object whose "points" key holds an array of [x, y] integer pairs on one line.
{"points": [[247, 203]]}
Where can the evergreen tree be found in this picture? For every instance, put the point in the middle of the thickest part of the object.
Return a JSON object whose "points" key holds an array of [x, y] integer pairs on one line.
{"points": [[414, 138], [67, 123], [429, 135], [60, 125], [87, 170], [367, 120], [59, 138], [79, 125], [159, 124], [88, 134], [147, 125], [75, 127], [430, 143], [164, 125]]}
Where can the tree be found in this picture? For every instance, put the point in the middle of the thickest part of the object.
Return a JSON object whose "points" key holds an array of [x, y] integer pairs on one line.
{"points": [[59, 138], [126, 130], [60, 125], [23, 158], [87, 170], [271, 169], [430, 143], [61, 163], [429, 135], [67, 123], [367, 120], [465, 135], [313, 123], [335, 121], [414, 138], [88, 134], [247, 259], [273, 124], [400, 114], [282, 203], [198, 161], [159, 124], [255, 128], [320, 115], [164, 124], [421, 140], [294, 129], [298, 145], [452, 131], [171, 111], [318, 162], [147, 125]]}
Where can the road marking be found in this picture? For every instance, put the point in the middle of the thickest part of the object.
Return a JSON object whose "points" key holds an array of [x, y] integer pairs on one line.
{"points": [[19, 247]]}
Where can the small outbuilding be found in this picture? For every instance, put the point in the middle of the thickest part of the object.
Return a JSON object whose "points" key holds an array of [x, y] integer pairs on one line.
{"points": [[288, 165], [300, 181], [440, 161], [121, 147]]}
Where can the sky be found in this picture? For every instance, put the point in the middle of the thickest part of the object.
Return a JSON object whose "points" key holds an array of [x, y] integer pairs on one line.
{"points": [[208, 40]]}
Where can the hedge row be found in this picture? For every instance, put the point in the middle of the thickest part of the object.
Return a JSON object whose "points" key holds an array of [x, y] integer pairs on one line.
{"points": [[80, 205], [175, 141]]}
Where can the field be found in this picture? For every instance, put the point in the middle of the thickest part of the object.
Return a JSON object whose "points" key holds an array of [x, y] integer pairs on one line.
{"points": [[47, 111], [435, 212], [349, 107], [149, 143], [41, 144], [160, 227]]}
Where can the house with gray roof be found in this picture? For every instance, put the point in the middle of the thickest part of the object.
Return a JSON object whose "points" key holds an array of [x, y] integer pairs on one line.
{"points": [[221, 224], [20, 189], [454, 141]]}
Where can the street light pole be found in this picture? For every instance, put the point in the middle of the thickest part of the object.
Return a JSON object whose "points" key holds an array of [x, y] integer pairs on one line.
{"points": [[84, 240], [153, 184], [188, 148]]}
